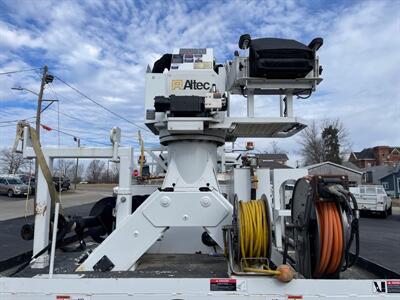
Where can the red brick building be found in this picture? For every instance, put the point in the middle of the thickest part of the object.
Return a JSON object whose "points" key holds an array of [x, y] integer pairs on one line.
{"points": [[376, 156]]}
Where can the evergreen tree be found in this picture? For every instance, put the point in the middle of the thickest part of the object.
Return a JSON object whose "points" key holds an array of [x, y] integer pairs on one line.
{"points": [[330, 137]]}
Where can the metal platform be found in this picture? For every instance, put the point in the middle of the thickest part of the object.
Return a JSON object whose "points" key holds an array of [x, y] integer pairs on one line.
{"points": [[149, 266], [264, 86], [194, 265], [239, 127], [260, 127]]}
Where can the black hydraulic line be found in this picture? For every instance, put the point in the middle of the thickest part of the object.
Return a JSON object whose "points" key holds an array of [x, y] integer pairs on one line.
{"points": [[24, 265], [60, 238], [63, 231], [354, 231], [285, 251]]}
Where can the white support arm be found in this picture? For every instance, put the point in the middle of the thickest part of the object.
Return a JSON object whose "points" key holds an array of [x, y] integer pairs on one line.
{"points": [[157, 159], [138, 232]]}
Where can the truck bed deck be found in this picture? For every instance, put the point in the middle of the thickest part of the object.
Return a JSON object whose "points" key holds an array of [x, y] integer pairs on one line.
{"points": [[159, 266]]}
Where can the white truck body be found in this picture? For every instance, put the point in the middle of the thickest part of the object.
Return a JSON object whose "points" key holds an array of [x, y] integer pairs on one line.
{"points": [[372, 198]]}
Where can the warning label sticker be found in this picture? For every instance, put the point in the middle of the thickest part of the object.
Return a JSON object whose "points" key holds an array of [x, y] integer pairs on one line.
{"points": [[73, 297], [393, 286], [379, 286], [224, 284]]}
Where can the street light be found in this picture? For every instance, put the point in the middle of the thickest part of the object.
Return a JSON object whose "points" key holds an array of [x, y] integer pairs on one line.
{"points": [[24, 89], [30, 91]]}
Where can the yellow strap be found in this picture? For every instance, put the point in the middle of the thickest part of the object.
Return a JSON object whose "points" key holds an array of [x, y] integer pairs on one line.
{"points": [[45, 168], [19, 135]]}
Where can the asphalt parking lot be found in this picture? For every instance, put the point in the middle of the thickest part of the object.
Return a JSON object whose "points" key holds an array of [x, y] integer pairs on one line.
{"points": [[16, 207], [13, 215], [379, 238]]}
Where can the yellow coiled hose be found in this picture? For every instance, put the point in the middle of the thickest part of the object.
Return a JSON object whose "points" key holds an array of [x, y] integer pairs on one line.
{"points": [[254, 234]]}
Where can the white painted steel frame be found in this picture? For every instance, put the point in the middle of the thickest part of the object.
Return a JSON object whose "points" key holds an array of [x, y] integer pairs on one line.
{"points": [[279, 177], [184, 288], [139, 231], [43, 202]]}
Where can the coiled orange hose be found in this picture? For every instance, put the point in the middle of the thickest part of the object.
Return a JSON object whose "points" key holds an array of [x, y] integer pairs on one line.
{"points": [[331, 239]]}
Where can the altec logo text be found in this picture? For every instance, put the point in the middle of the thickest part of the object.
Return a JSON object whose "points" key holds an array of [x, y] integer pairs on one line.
{"points": [[190, 85]]}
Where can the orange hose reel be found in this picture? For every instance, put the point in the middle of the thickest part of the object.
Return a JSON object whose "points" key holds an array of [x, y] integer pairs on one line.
{"points": [[331, 239], [323, 226]]}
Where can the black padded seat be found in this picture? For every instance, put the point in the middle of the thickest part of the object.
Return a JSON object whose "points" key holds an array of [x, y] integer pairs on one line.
{"points": [[280, 58], [163, 63]]}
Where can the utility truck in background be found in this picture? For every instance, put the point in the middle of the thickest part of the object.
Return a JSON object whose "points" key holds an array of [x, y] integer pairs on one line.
{"points": [[372, 198]]}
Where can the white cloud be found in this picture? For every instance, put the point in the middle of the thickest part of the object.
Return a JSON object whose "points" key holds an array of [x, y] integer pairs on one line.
{"points": [[14, 38]]}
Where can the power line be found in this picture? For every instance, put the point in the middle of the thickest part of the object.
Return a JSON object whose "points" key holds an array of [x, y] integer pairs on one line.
{"points": [[95, 125], [19, 71], [13, 121], [81, 120], [81, 105], [73, 135], [84, 132], [8, 125], [102, 106]]}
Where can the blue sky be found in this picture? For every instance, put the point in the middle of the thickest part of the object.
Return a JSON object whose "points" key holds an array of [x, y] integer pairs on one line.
{"points": [[104, 47]]}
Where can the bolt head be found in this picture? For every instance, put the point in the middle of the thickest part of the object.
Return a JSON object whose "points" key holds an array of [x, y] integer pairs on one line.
{"points": [[123, 199], [205, 201], [136, 233], [185, 217], [165, 201]]}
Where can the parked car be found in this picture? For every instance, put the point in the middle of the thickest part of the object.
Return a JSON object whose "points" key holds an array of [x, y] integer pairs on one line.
{"points": [[373, 198], [12, 186], [61, 183], [28, 180]]}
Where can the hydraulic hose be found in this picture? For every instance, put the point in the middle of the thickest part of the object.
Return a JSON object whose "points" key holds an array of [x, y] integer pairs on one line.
{"points": [[354, 233], [254, 233], [330, 238], [344, 196]]}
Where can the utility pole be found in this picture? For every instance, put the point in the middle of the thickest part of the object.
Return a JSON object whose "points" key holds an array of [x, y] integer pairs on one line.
{"points": [[40, 99], [38, 112], [78, 140]]}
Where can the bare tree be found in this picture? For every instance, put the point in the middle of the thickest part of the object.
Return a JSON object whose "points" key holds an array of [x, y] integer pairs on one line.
{"points": [[79, 173], [64, 167], [313, 145], [114, 173], [11, 162], [95, 170], [275, 149], [111, 173], [67, 168]]}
